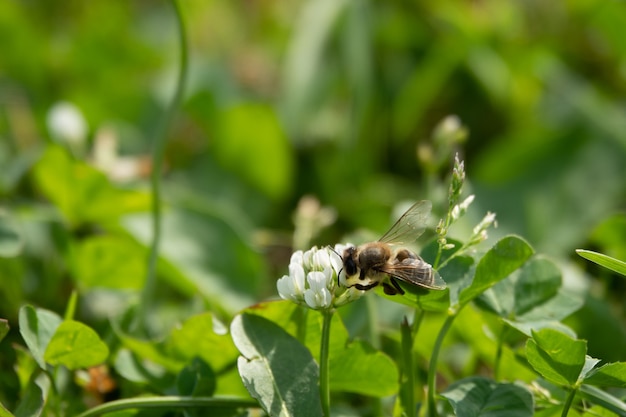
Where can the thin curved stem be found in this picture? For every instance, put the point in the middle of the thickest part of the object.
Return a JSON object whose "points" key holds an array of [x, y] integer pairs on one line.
{"points": [[158, 150], [168, 402], [432, 368], [324, 353]]}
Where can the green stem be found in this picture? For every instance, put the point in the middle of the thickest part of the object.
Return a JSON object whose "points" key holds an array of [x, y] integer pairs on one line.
{"points": [[158, 151], [169, 402], [408, 399], [568, 402], [324, 350], [432, 368], [500, 348]]}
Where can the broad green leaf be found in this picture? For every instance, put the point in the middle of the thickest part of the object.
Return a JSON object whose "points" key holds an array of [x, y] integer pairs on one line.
{"points": [[603, 398], [11, 241], [34, 399], [276, 369], [528, 327], [459, 274], [508, 254], [37, 327], [205, 251], [81, 192], [252, 143], [609, 375], [355, 366], [196, 379], [556, 356], [75, 345], [109, 261], [4, 412], [606, 261], [4, 328], [532, 298], [197, 337], [479, 396], [538, 282]]}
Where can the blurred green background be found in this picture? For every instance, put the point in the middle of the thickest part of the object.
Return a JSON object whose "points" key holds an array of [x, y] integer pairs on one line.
{"points": [[334, 99]]}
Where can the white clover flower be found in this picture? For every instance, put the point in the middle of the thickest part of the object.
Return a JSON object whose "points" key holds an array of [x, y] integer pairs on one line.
{"points": [[318, 296], [479, 233], [313, 277], [67, 124]]}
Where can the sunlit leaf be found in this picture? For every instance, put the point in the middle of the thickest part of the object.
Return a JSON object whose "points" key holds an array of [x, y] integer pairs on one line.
{"points": [[276, 369], [508, 254], [606, 261], [109, 261], [609, 375], [75, 345], [556, 356], [82, 193], [197, 337], [251, 142], [479, 396], [37, 326]]}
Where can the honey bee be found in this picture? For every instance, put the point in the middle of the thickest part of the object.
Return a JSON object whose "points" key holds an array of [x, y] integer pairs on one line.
{"points": [[378, 263]]}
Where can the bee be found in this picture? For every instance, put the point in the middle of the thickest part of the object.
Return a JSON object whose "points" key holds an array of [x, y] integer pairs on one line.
{"points": [[379, 263]]}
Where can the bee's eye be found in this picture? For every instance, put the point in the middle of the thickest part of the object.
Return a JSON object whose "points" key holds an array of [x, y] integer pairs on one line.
{"points": [[350, 266]]}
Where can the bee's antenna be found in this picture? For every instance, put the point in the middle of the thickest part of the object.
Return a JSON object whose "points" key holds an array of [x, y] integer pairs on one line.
{"points": [[340, 257]]}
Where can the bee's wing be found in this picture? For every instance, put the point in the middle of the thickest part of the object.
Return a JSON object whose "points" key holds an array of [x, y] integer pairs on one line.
{"points": [[415, 271], [410, 226]]}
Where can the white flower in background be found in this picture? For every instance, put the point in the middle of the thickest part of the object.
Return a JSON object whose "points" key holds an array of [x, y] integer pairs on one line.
{"points": [[67, 124], [313, 277], [479, 233]]}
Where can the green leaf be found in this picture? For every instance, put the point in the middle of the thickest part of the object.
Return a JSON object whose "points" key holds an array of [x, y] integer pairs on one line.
{"points": [[196, 379], [479, 396], [34, 399], [276, 369], [354, 365], [109, 261], [37, 327], [606, 261], [197, 337], [556, 356], [251, 142], [4, 328], [81, 192], [609, 375], [4, 412], [75, 345], [508, 254], [603, 398], [533, 298], [11, 241]]}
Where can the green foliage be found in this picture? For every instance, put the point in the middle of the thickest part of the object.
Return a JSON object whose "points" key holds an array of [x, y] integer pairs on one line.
{"points": [[276, 369], [478, 396], [139, 228]]}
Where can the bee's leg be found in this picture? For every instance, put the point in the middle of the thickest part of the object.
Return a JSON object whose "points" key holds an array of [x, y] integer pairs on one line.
{"points": [[365, 287], [393, 290]]}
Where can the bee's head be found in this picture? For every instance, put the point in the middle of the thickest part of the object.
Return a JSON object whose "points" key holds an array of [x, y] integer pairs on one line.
{"points": [[349, 260]]}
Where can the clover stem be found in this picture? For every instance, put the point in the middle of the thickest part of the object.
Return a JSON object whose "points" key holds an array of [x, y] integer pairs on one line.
{"points": [[568, 402], [324, 350], [432, 368], [158, 151]]}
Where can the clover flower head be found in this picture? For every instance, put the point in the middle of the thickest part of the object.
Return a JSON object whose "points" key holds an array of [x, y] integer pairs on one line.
{"points": [[313, 277]]}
